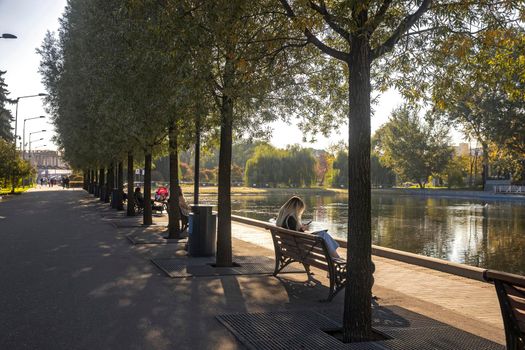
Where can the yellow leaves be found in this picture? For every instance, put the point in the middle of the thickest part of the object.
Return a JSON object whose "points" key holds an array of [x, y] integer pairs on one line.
{"points": [[441, 104]]}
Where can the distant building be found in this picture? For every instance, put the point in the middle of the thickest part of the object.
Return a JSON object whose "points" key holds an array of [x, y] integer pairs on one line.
{"points": [[49, 163], [462, 150], [47, 159]]}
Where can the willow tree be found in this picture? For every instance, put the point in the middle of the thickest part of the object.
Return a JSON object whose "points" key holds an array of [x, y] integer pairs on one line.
{"points": [[371, 38]]}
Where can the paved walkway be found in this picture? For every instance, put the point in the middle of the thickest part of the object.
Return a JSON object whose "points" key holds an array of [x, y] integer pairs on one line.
{"points": [[71, 280]]}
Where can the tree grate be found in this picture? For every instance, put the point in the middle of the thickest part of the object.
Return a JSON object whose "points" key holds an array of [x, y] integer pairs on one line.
{"points": [[153, 239], [289, 330], [202, 266]]}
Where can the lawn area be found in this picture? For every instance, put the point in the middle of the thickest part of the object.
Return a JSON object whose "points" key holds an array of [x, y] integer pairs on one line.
{"points": [[188, 189], [18, 190]]}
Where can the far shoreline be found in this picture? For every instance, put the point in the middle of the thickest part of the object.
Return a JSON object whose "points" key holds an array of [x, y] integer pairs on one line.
{"points": [[438, 193]]}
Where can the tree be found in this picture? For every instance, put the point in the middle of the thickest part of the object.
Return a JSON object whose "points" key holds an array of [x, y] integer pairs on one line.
{"points": [[5, 115], [413, 149], [479, 84], [243, 48], [361, 35]]}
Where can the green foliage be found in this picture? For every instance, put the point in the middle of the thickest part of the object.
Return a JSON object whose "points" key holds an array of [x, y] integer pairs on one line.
{"points": [[380, 175], [479, 84], [5, 114], [269, 166], [11, 164], [456, 171], [413, 149], [340, 176]]}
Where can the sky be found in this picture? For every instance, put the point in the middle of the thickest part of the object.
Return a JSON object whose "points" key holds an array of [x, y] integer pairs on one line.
{"points": [[29, 20]]}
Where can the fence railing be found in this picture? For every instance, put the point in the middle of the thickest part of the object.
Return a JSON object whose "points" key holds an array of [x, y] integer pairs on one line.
{"points": [[457, 269], [510, 189]]}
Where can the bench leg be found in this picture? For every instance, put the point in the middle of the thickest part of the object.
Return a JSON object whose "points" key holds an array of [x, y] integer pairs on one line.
{"points": [[281, 263], [308, 272]]}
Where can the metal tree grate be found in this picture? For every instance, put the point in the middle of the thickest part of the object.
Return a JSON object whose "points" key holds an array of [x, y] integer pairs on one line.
{"points": [[153, 239], [306, 330], [201, 266]]}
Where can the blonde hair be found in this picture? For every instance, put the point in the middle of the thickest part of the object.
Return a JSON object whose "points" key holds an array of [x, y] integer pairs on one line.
{"points": [[293, 207]]}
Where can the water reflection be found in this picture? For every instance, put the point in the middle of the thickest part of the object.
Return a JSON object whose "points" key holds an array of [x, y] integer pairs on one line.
{"points": [[473, 232]]}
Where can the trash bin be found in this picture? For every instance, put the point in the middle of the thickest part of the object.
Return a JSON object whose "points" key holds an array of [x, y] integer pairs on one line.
{"points": [[114, 198], [202, 239]]}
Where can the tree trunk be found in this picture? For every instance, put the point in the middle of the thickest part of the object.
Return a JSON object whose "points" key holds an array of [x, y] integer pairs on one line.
{"points": [[107, 195], [97, 184], [485, 170], [173, 207], [91, 182], [131, 186], [224, 228], [102, 184], [85, 180], [111, 184], [147, 217], [120, 185], [197, 162], [357, 318]]}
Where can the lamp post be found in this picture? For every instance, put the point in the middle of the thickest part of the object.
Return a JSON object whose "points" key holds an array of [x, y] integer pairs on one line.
{"points": [[8, 36], [32, 133], [16, 110], [24, 135]]}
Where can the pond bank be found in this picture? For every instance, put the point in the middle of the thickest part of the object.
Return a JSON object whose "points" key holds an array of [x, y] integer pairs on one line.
{"points": [[463, 194], [445, 193]]}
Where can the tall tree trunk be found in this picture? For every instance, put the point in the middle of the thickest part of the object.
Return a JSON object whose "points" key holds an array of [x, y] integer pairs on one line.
{"points": [[85, 180], [196, 177], [147, 215], [107, 195], [111, 184], [120, 185], [224, 226], [485, 170], [173, 207], [97, 183], [131, 186], [102, 184], [357, 318]]}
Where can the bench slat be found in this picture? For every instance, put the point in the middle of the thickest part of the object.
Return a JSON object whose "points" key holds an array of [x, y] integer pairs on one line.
{"points": [[294, 240], [316, 252], [309, 261]]}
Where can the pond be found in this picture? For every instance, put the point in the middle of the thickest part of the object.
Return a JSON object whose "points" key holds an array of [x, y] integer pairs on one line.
{"points": [[488, 234]]}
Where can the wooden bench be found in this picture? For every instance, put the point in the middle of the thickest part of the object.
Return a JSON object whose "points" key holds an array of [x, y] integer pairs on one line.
{"points": [[309, 250], [511, 295]]}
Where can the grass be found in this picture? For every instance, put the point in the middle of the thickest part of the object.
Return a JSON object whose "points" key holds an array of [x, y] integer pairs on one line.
{"points": [[256, 190], [18, 190]]}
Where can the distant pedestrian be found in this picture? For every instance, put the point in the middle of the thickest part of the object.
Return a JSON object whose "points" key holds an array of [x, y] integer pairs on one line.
{"points": [[41, 182]]}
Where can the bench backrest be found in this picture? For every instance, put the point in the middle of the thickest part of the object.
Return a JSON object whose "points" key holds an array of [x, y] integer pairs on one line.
{"points": [[511, 294], [303, 247]]}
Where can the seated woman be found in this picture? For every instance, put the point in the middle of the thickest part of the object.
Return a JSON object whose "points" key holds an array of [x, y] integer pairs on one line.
{"points": [[139, 198], [184, 208], [290, 218]]}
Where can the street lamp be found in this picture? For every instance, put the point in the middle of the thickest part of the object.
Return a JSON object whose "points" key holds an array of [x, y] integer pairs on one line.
{"points": [[30, 142], [8, 36], [32, 133], [24, 135], [16, 110], [16, 127]]}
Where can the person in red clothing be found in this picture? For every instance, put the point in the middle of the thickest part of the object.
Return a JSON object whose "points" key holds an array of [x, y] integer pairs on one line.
{"points": [[161, 194]]}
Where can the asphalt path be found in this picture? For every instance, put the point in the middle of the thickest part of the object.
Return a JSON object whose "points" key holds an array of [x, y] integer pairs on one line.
{"points": [[68, 281]]}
